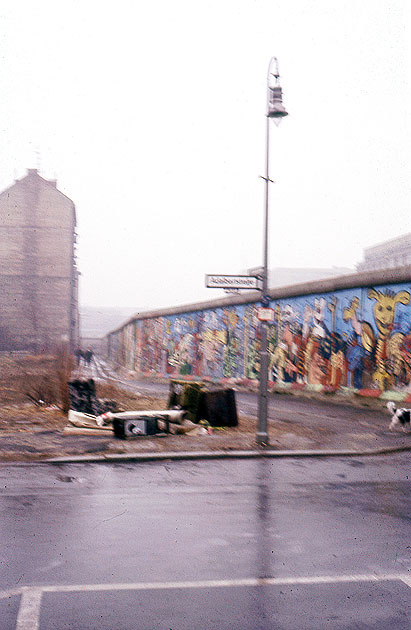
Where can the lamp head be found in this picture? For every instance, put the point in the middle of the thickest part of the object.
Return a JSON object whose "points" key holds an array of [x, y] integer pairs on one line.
{"points": [[275, 107]]}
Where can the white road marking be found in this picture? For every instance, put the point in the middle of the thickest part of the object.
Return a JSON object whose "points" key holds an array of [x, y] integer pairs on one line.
{"points": [[143, 586], [13, 592], [29, 611], [407, 580]]}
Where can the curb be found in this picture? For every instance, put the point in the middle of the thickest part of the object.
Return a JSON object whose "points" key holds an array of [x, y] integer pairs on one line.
{"points": [[203, 455]]}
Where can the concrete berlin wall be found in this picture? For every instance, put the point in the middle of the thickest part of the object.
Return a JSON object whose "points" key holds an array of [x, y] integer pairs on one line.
{"points": [[351, 333]]}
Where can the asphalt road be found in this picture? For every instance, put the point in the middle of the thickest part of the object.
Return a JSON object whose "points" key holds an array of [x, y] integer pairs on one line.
{"points": [[330, 423], [304, 411], [256, 544]]}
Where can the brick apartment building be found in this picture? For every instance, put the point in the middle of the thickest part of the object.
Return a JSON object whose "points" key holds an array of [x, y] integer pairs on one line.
{"points": [[38, 273]]}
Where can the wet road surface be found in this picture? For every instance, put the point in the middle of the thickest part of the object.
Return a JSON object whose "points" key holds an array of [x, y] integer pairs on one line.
{"points": [[256, 544]]}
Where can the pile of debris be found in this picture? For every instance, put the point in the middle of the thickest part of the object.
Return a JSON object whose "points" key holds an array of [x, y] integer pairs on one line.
{"points": [[193, 408]]}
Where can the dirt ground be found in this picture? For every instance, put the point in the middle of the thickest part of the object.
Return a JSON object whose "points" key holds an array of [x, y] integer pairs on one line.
{"points": [[32, 423], [30, 396]]}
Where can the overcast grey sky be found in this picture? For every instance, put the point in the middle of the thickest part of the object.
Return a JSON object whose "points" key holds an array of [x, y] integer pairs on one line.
{"points": [[151, 115]]}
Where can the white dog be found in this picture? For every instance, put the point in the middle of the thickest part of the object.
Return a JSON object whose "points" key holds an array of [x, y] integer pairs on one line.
{"points": [[399, 416]]}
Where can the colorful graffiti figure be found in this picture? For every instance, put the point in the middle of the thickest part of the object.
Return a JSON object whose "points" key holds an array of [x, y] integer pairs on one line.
{"points": [[279, 362], [384, 311], [211, 342], [354, 357], [251, 343], [232, 346], [398, 361], [182, 356], [317, 344], [385, 346], [337, 361], [293, 347], [151, 346]]}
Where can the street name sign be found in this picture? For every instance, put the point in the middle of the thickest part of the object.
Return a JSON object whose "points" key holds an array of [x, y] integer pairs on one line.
{"points": [[265, 314], [214, 281]]}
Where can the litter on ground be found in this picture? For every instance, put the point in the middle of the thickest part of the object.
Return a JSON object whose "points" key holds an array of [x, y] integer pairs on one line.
{"points": [[192, 409]]}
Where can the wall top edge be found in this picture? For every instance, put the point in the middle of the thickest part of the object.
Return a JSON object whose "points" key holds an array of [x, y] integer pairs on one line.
{"points": [[328, 285]]}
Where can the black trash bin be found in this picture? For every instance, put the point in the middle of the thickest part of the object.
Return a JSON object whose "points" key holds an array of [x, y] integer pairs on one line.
{"points": [[214, 404], [186, 395], [83, 398], [218, 407]]}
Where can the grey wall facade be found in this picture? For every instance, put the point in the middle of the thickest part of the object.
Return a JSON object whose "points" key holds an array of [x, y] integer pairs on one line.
{"points": [[38, 273]]}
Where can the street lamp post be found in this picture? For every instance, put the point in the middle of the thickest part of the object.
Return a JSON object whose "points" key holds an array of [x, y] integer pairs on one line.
{"points": [[277, 111]]}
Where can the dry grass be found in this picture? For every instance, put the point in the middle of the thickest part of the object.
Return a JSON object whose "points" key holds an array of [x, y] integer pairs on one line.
{"points": [[64, 368], [25, 380], [28, 417], [45, 377], [127, 401], [25, 376]]}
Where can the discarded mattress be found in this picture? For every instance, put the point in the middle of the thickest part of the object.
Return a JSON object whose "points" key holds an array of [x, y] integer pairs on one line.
{"points": [[130, 424], [86, 421]]}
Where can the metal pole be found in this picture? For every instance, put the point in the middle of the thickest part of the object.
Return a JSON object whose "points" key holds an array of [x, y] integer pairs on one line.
{"points": [[262, 435]]}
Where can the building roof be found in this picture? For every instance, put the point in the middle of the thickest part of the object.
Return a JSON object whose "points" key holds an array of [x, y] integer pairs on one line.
{"points": [[388, 246], [33, 173]]}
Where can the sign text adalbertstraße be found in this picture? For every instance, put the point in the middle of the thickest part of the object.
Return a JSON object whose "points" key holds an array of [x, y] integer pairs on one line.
{"points": [[231, 282]]}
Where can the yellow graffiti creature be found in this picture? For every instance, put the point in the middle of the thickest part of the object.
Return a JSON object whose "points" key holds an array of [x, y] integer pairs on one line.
{"points": [[384, 312]]}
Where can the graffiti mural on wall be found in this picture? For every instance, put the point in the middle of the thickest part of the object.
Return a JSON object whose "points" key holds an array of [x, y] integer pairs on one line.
{"points": [[200, 343], [357, 338]]}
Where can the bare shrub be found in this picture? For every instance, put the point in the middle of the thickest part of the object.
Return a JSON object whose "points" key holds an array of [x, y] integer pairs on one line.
{"points": [[35, 376], [40, 390], [44, 378], [64, 368]]}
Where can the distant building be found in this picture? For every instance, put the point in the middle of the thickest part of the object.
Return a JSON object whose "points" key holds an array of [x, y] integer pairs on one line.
{"points": [[96, 322], [38, 273], [393, 253], [287, 276]]}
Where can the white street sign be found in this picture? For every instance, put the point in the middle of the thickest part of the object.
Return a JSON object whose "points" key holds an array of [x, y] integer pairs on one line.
{"points": [[265, 314], [231, 282]]}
